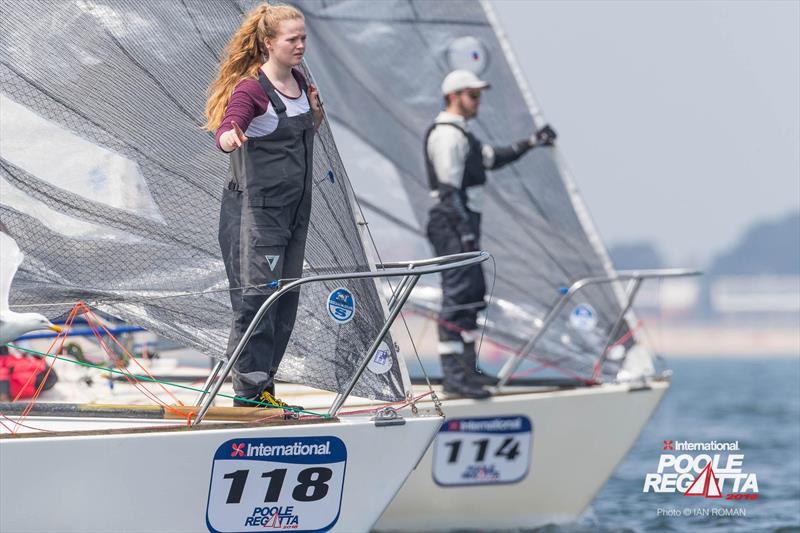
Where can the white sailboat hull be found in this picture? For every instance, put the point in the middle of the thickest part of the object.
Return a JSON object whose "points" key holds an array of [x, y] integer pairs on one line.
{"points": [[164, 480], [579, 436]]}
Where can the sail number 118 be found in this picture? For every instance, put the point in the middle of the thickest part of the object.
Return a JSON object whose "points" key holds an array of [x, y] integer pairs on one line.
{"points": [[311, 484]]}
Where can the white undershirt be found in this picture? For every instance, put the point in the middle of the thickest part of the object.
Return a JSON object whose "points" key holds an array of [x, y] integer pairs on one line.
{"points": [[268, 122]]}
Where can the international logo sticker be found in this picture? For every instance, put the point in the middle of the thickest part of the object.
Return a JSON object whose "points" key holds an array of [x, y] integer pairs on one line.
{"points": [[583, 317], [482, 451], [381, 361], [271, 484], [341, 305]]}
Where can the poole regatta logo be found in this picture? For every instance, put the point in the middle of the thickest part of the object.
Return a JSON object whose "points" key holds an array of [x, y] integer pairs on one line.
{"points": [[708, 475], [283, 517]]}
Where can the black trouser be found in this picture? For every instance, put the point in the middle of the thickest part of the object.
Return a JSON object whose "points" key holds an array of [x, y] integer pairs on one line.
{"points": [[256, 255], [463, 289]]}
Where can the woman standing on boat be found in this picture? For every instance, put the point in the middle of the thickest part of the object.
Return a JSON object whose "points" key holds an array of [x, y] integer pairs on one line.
{"points": [[265, 115]]}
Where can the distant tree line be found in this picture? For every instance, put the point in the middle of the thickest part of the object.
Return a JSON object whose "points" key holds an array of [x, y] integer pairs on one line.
{"points": [[766, 247]]}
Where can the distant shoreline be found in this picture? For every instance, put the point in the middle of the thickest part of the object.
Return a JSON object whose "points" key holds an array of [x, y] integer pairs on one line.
{"points": [[668, 356], [724, 341]]}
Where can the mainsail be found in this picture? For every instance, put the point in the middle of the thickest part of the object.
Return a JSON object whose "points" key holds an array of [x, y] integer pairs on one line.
{"points": [[112, 189], [381, 65]]}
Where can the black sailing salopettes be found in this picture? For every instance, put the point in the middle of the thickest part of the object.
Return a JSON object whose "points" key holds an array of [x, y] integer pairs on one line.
{"points": [[262, 233], [463, 289]]}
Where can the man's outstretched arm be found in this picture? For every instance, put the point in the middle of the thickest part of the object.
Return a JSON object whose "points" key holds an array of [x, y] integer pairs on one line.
{"points": [[497, 157]]}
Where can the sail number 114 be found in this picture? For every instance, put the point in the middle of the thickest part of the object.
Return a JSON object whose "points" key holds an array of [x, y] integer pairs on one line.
{"points": [[482, 451], [508, 449]]}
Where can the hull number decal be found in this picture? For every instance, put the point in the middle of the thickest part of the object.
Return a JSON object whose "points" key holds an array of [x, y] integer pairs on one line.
{"points": [[276, 484], [482, 451]]}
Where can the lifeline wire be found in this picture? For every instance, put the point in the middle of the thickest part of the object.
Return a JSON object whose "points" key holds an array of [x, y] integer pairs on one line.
{"points": [[271, 285]]}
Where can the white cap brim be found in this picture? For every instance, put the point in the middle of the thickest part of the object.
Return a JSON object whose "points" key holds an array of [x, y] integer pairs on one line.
{"points": [[460, 80], [481, 85]]}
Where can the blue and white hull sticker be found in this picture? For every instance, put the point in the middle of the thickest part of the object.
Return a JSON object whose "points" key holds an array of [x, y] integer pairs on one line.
{"points": [[482, 451], [279, 483]]}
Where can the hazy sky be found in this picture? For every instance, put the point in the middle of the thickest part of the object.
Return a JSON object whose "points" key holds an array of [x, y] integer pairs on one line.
{"points": [[679, 120]]}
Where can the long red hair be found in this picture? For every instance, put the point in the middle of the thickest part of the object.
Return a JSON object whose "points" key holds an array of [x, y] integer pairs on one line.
{"points": [[245, 53]]}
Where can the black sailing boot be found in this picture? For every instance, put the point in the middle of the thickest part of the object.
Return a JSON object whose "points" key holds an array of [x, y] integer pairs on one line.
{"points": [[455, 379], [474, 372]]}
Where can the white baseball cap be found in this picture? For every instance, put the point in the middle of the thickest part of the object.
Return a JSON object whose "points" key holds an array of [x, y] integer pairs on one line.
{"points": [[458, 80]]}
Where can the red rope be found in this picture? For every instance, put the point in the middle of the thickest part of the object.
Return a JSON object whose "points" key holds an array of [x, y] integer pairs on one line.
{"points": [[129, 377], [529, 372], [67, 326], [20, 425], [543, 364], [82, 309], [131, 358], [5, 426], [271, 417], [400, 405], [598, 364], [514, 351], [60, 337]]}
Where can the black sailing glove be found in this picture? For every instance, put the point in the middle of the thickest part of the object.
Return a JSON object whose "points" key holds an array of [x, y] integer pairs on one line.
{"points": [[508, 154], [469, 243], [546, 136]]}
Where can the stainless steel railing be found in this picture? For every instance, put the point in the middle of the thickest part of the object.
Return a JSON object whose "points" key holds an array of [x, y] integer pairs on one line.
{"points": [[635, 279], [410, 271]]}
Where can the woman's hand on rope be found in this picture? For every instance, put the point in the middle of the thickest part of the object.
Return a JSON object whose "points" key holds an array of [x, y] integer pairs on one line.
{"points": [[232, 139], [316, 105]]}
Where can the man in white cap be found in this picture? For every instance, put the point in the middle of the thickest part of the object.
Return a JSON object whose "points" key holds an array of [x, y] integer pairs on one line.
{"points": [[456, 162]]}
